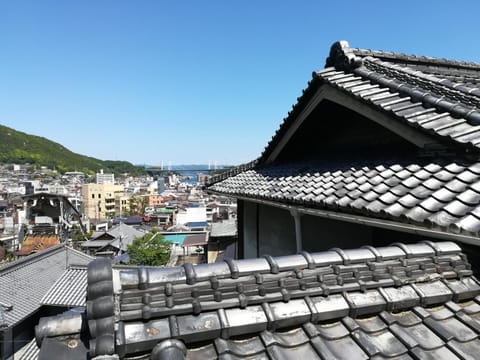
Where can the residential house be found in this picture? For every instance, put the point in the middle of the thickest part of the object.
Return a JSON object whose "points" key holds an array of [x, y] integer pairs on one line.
{"points": [[23, 284], [380, 147], [112, 242]]}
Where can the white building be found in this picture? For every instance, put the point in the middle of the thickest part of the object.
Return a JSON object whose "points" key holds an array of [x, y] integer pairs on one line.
{"points": [[102, 178]]}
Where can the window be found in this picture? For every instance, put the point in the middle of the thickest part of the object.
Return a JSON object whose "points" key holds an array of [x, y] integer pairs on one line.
{"points": [[93, 196]]}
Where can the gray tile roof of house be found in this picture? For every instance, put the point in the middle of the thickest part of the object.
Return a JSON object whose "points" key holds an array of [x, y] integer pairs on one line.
{"points": [[434, 195], [3, 321], [437, 97], [126, 232], [401, 301], [24, 282], [28, 352], [95, 243], [70, 289]]}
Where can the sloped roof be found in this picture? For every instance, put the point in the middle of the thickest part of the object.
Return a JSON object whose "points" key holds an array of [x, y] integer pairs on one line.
{"points": [[28, 352], [403, 301], [434, 195], [126, 232], [437, 97], [195, 240], [427, 100], [37, 243], [70, 289], [24, 282]]}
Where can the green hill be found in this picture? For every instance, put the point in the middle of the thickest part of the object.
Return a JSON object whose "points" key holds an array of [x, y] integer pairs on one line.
{"points": [[20, 148]]}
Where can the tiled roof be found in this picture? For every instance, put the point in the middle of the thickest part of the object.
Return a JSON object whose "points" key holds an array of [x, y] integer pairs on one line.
{"points": [[434, 96], [126, 232], [37, 243], [195, 240], [401, 301], [24, 282], [70, 290], [28, 352], [435, 195], [95, 243]]}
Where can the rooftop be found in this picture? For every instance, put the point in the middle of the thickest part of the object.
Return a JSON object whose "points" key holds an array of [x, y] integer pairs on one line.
{"points": [[24, 282], [404, 301]]}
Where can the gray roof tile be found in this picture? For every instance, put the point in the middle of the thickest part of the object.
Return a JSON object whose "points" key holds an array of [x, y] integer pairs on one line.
{"points": [[69, 290], [302, 305], [25, 282], [442, 196]]}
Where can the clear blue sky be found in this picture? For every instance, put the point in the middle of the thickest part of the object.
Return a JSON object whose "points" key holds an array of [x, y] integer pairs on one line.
{"points": [[192, 81]]}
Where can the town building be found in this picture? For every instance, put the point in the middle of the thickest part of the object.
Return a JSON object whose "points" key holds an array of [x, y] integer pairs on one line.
{"points": [[99, 200], [102, 178], [23, 284]]}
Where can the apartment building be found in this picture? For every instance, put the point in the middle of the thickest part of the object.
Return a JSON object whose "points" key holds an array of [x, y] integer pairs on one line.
{"points": [[102, 178], [99, 200]]}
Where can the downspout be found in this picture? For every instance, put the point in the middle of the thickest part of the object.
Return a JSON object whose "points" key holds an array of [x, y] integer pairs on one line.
{"points": [[298, 228]]}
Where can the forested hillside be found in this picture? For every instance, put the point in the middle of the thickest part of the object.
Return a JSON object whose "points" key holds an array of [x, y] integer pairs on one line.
{"points": [[21, 148]]}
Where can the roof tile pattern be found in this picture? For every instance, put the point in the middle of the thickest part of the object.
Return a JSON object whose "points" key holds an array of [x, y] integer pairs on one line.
{"points": [[433, 195], [443, 332], [24, 282], [320, 299], [37, 243], [69, 290], [415, 301], [28, 352], [445, 120]]}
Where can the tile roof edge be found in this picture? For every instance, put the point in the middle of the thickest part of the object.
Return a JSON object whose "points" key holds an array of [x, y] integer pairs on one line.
{"points": [[5, 269], [342, 56], [79, 253], [30, 258], [274, 265], [231, 172]]}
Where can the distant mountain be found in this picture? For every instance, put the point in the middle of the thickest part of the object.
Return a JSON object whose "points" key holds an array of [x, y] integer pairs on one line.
{"points": [[20, 148]]}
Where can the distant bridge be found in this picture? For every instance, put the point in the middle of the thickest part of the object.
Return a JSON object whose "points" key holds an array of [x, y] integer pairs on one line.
{"points": [[159, 171]]}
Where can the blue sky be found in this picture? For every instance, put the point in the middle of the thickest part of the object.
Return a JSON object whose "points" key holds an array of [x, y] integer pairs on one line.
{"points": [[193, 81]]}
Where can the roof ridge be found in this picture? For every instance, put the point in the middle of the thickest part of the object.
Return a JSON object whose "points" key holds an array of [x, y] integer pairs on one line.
{"points": [[30, 259], [27, 260], [376, 71], [343, 57], [270, 279], [470, 92]]}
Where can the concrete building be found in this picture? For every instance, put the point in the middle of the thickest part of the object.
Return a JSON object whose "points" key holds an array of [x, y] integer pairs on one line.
{"points": [[102, 178], [99, 200]]}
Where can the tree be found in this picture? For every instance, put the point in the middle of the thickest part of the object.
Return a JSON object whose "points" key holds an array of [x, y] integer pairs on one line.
{"points": [[150, 250], [137, 205]]}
